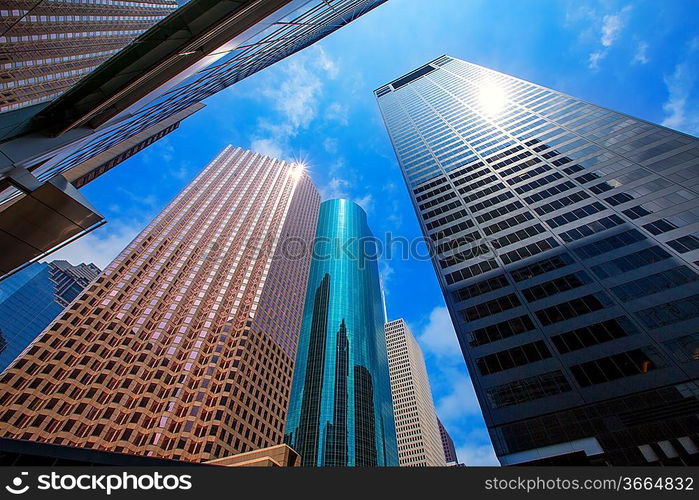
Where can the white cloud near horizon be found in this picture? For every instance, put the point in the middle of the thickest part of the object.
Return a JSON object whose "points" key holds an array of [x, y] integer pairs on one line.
{"points": [[454, 397], [682, 105], [102, 245]]}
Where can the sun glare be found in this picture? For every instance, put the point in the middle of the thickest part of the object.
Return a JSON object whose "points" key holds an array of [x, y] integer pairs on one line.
{"points": [[297, 170], [492, 98]]}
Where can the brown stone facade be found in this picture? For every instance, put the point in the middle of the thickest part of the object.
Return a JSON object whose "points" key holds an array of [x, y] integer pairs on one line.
{"points": [[184, 347]]}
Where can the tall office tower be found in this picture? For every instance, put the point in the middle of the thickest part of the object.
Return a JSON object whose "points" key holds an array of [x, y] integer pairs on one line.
{"points": [[566, 242], [340, 411], [417, 430], [46, 46], [162, 77], [31, 298], [447, 445], [184, 347]]}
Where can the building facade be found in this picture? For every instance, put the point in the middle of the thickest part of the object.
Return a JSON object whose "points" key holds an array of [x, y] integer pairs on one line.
{"points": [[340, 412], [31, 298], [566, 242], [417, 428], [47, 46], [184, 347], [165, 74], [447, 445]]}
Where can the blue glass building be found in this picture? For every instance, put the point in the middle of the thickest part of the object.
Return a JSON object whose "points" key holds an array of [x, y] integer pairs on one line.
{"points": [[340, 410], [31, 298]]}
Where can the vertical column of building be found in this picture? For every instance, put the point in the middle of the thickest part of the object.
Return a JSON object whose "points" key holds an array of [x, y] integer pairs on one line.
{"points": [[566, 242], [47, 46], [167, 353], [340, 412], [417, 429]]}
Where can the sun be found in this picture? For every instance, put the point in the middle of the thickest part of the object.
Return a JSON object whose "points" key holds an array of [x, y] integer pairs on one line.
{"points": [[491, 97], [297, 170]]}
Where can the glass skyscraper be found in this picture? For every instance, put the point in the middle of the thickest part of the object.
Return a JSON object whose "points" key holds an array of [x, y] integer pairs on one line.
{"points": [[31, 298], [340, 410], [566, 243]]}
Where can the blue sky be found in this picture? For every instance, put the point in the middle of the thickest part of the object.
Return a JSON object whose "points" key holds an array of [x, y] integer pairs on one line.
{"points": [[640, 58]]}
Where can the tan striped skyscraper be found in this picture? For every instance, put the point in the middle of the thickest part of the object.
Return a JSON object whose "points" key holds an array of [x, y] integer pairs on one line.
{"points": [[184, 347], [417, 428], [48, 45]]}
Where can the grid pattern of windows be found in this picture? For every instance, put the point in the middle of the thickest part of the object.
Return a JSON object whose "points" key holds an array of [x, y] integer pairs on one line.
{"points": [[567, 197]]}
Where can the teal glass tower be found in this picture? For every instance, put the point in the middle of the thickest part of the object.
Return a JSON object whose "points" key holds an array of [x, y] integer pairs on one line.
{"points": [[340, 410]]}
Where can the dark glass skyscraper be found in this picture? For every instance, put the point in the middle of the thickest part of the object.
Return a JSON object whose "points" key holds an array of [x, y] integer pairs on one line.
{"points": [[31, 298], [340, 411], [566, 242]]}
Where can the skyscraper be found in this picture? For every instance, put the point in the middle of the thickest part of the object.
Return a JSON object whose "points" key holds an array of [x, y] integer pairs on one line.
{"points": [[31, 298], [566, 242], [417, 429], [184, 347], [47, 46], [447, 445], [202, 48], [340, 411]]}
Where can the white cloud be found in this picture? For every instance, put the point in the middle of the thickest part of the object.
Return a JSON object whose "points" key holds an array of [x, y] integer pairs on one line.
{"points": [[641, 55], [438, 336], [595, 58], [267, 147], [335, 188], [330, 145], [612, 24], [608, 28], [366, 202], [295, 92], [102, 245], [476, 455], [459, 402], [681, 107], [337, 112]]}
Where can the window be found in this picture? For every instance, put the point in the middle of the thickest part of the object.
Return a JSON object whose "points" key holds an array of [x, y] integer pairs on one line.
{"points": [[508, 223], [491, 201], [591, 228], [491, 307], [514, 357], [547, 193], [670, 312], [457, 242], [509, 208], [608, 244], [539, 182], [576, 214], [460, 257], [446, 219], [630, 262], [502, 330], [471, 271], [541, 267], [594, 334], [468, 292], [617, 366], [654, 283], [456, 228], [684, 349], [517, 236], [528, 389], [556, 286], [561, 202], [529, 250], [685, 244], [573, 308], [484, 192]]}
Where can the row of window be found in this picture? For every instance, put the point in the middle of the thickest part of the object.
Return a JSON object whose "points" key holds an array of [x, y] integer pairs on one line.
{"points": [[592, 227], [471, 271], [629, 262], [511, 358], [594, 334], [555, 286], [655, 283], [573, 308], [625, 364], [528, 389], [508, 223], [561, 202], [497, 212]]}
